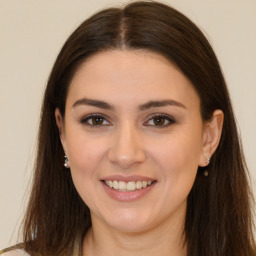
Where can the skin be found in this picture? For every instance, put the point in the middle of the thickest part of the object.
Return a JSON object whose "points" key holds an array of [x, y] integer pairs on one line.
{"points": [[128, 141]]}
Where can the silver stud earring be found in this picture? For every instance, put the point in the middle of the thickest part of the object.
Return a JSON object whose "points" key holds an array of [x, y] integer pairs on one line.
{"points": [[66, 165], [207, 161]]}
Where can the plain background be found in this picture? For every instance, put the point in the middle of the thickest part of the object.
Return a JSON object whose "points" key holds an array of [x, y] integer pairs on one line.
{"points": [[31, 35]]}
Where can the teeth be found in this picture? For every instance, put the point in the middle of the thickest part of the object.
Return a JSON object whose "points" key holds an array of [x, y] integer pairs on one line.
{"points": [[131, 186], [115, 184], [127, 186], [121, 185], [138, 185]]}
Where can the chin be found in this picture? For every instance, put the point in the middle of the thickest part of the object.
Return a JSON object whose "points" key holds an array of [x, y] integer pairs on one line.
{"points": [[129, 221]]}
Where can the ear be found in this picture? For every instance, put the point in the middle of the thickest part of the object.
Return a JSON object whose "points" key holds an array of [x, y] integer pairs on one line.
{"points": [[211, 137], [61, 127]]}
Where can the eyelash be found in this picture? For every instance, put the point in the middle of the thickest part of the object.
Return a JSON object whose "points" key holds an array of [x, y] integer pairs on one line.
{"points": [[86, 119], [103, 118], [164, 117]]}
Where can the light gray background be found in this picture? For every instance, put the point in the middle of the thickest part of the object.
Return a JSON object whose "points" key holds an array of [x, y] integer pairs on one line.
{"points": [[32, 33]]}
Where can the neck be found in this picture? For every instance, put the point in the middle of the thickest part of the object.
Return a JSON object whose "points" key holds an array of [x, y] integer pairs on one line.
{"points": [[167, 239]]}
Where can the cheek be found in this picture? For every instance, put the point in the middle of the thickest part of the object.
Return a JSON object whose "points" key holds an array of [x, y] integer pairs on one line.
{"points": [[82, 149], [85, 155], [85, 159], [178, 157]]}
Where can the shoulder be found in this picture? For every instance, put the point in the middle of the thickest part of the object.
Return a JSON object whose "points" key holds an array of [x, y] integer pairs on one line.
{"points": [[16, 252]]}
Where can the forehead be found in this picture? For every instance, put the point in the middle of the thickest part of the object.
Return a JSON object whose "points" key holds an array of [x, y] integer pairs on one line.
{"points": [[129, 74]]}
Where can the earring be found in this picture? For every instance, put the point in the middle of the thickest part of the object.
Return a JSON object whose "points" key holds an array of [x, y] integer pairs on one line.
{"points": [[207, 161], [206, 173], [66, 165]]}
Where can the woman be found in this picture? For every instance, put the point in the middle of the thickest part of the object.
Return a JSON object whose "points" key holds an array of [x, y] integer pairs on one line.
{"points": [[138, 151]]}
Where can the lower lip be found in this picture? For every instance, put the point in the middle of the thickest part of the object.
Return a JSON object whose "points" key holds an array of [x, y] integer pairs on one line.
{"points": [[126, 196]]}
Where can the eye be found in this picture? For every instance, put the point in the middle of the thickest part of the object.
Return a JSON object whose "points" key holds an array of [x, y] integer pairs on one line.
{"points": [[95, 120], [160, 120]]}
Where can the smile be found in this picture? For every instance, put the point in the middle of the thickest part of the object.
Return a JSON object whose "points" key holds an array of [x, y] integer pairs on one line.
{"points": [[127, 186]]}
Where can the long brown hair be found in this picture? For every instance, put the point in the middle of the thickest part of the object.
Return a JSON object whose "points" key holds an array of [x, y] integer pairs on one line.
{"points": [[218, 219]]}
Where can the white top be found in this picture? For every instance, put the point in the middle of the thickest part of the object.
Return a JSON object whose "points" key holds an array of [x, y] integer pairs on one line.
{"points": [[16, 252]]}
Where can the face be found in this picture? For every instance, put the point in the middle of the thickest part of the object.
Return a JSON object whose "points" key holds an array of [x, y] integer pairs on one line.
{"points": [[134, 138]]}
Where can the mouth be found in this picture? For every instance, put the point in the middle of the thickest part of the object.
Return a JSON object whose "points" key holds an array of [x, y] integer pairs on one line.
{"points": [[128, 186], [127, 189]]}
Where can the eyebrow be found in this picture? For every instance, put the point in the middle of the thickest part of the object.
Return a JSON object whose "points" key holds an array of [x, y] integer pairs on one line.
{"points": [[161, 103], [148, 105], [94, 103]]}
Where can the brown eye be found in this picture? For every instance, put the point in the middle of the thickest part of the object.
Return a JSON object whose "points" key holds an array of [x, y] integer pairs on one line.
{"points": [[95, 120], [160, 121]]}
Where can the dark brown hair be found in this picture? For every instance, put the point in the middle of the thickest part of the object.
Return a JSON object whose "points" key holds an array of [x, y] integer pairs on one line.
{"points": [[218, 218]]}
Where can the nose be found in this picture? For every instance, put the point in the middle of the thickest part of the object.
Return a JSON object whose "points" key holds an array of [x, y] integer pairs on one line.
{"points": [[126, 150]]}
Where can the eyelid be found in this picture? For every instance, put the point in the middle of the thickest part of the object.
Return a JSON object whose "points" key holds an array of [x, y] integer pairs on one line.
{"points": [[170, 119], [165, 116], [89, 116]]}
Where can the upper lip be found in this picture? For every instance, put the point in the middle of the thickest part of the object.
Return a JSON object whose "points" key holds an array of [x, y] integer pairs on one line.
{"points": [[127, 178]]}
